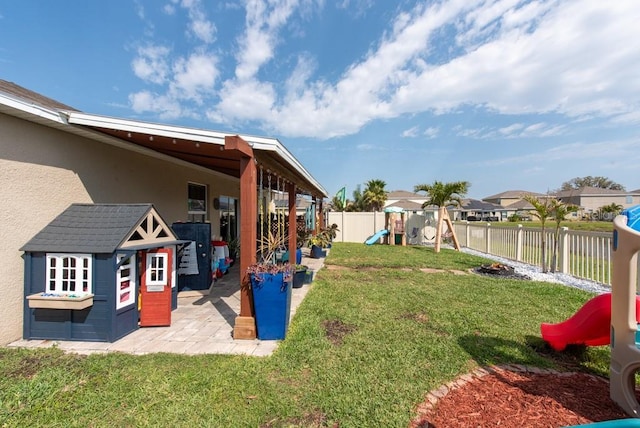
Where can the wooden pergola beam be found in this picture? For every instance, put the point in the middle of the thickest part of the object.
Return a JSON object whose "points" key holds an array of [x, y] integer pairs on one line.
{"points": [[245, 323]]}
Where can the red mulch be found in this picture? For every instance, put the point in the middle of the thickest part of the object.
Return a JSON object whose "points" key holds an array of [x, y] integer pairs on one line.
{"points": [[505, 398]]}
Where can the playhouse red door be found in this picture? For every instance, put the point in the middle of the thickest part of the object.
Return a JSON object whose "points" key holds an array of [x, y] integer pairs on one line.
{"points": [[155, 290]]}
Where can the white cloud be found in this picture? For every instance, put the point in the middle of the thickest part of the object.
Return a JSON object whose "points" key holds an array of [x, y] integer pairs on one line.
{"points": [[411, 132], [516, 130], [165, 107], [195, 77], [199, 26], [431, 132], [151, 64], [251, 100], [365, 147], [511, 57]]}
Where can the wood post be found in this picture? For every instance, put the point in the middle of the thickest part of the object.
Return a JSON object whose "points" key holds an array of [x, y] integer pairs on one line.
{"points": [[245, 323], [456, 244], [293, 223]]}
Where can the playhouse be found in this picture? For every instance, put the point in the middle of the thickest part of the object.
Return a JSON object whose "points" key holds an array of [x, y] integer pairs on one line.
{"points": [[97, 272], [394, 220]]}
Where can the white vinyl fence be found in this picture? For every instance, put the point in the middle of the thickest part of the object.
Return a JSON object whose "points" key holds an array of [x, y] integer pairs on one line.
{"points": [[581, 254]]}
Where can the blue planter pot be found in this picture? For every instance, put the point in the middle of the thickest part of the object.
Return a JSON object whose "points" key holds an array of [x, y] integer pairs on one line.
{"points": [[317, 252], [272, 304], [308, 277], [299, 278], [285, 256]]}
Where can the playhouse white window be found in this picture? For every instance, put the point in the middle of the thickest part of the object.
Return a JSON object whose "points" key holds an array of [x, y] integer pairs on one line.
{"points": [[157, 268], [126, 281], [69, 273]]}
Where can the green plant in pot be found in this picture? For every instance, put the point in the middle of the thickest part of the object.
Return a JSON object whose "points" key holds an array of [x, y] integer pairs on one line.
{"points": [[299, 275], [271, 284], [317, 242]]}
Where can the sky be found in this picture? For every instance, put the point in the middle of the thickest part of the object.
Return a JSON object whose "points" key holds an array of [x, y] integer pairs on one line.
{"points": [[504, 94]]}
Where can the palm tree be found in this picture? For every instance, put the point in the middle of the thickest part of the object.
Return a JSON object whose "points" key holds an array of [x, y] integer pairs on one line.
{"points": [[613, 209], [442, 195], [543, 210], [337, 205], [358, 204], [374, 194]]}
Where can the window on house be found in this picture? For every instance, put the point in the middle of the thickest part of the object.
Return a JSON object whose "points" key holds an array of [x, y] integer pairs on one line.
{"points": [[197, 202], [126, 281], [228, 218], [629, 200], [69, 273]]}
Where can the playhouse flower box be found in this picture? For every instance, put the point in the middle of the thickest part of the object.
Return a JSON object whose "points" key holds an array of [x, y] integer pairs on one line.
{"points": [[60, 301]]}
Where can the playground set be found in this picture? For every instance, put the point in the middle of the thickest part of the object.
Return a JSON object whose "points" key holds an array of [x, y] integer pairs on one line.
{"points": [[612, 318], [395, 220]]}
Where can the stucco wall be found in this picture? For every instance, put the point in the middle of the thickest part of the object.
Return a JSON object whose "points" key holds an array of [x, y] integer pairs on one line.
{"points": [[43, 171]]}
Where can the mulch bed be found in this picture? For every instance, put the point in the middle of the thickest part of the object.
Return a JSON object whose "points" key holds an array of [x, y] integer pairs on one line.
{"points": [[518, 397]]}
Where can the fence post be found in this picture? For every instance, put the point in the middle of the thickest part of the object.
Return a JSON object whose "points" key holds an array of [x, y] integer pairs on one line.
{"points": [[467, 234], [342, 228], [519, 243], [563, 250], [488, 240]]}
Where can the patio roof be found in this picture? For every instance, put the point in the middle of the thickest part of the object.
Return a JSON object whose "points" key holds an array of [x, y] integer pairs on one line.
{"points": [[193, 146]]}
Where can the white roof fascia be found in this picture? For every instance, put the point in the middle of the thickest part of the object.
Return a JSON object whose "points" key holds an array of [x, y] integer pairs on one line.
{"points": [[169, 131], [28, 108], [276, 146]]}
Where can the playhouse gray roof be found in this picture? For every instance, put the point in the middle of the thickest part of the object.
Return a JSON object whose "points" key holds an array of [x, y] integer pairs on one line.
{"points": [[88, 228]]}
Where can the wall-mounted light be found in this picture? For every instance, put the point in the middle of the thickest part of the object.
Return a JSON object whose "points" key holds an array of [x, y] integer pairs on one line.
{"points": [[151, 138]]}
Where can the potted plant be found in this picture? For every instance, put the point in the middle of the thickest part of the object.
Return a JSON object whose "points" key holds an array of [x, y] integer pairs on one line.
{"points": [[271, 289], [234, 249], [331, 232], [317, 243], [299, 275]]}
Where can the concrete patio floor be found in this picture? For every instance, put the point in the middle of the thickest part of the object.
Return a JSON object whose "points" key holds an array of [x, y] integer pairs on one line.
{"points": [[202, 324]]}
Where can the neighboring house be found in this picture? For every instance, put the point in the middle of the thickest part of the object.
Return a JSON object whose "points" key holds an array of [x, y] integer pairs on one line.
{"points": [[475, 210], [52, 156], [510, 197], [591, 199]]}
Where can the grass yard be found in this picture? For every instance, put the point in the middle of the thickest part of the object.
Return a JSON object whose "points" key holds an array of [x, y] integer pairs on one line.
{"points": [[371, 339]]}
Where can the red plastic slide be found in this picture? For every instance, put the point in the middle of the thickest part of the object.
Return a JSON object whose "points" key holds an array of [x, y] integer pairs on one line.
{"points": [[590, 326]]}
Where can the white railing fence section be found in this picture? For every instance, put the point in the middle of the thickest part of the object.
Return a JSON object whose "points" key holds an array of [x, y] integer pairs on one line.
{"points": [[581, 254]]}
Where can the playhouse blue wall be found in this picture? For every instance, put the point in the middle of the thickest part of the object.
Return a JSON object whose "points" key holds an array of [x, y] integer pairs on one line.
{"points": [[100, 322]]}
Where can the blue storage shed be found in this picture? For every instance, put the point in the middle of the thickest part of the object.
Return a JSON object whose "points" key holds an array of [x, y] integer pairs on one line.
{"points": [[99, 271]]}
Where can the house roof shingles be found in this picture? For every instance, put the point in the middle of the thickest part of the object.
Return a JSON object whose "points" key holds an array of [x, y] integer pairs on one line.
{"points": [[513, 194], [11, 89], [583, 191], [88, 228]]}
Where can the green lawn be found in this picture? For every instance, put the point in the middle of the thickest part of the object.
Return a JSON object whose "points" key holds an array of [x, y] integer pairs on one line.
{"points": [[373, 336]]}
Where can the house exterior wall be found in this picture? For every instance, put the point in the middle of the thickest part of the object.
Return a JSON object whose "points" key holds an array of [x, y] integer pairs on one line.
{"points": [[44, 170], [590, 204]]}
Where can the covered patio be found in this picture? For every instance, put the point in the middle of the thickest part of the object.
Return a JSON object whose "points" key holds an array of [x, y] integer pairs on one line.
{"points": [[202, 324], [258, 163]]}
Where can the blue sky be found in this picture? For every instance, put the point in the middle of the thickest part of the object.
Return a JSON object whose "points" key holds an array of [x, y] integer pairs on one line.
{"points": [[505, 94]]}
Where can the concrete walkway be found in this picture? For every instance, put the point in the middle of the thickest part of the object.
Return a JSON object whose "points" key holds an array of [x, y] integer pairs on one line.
{"points": [[202, 324]]}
